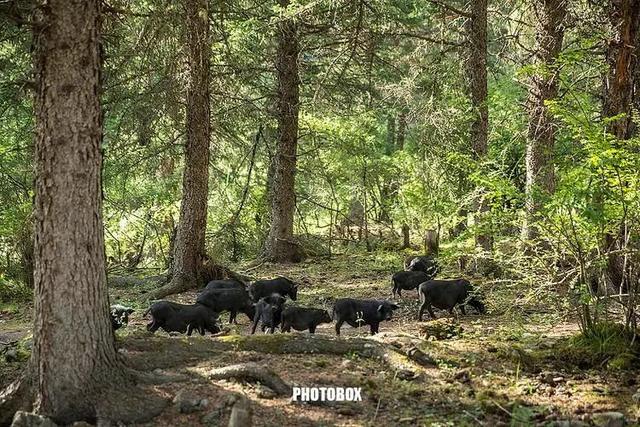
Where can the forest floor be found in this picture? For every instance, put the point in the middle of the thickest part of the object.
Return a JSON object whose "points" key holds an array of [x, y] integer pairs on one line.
{"points": [[512, 366]]}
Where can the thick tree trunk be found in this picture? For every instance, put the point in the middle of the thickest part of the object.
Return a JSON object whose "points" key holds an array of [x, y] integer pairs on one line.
{"points": [[543, 87], [74, 373], [477, 75], [189, 253], [620, 92], [620, 85], [280, 245]]}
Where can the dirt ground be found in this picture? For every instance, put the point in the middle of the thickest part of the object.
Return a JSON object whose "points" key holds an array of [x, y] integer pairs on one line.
{"points": [[502, 368]]}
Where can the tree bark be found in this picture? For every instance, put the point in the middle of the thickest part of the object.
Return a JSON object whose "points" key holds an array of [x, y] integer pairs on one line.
{"points": [[281, 245], [401, 131], [620, 85], [620, 89], [189, 255], [540, 179], [477, 75], [74, 373]]}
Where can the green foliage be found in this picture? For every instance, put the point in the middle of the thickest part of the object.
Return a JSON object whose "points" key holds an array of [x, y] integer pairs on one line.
{"points": [[14, 291], [605, 345]]}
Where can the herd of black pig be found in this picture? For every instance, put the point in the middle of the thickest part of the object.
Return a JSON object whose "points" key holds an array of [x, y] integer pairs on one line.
{"points": [[263, 302]]}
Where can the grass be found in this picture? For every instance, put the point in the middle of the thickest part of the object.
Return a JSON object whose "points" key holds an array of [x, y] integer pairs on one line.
{"points": [[607, 344]]}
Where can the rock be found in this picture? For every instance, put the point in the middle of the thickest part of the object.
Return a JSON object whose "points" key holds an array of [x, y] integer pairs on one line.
{"points": [[463, 375], [241, 413], [346, 411], [608, 419], [27, 419], [407, 375], [557, 380], [407, 420], [187, 403], [11, 355], [421, 357], [347, 364], [568, 423], [440, 329], [265, 392], [212, 419]]}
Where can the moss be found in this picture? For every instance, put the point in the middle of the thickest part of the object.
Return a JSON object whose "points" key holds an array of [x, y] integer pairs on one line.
{"points": [[607, 344]]}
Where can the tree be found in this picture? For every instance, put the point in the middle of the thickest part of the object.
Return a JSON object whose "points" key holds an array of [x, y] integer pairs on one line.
{"points": [[621, 56], [619, 91], [189, 253], [540, 178], [280, 245], [477, 76], [74, 372]]}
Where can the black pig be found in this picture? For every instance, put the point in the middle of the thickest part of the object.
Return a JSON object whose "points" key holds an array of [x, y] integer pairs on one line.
{"points": [[279, 285], [233, 300], [446, 294], [301, 318], [358, 312], [268, 312], [407, 280], [174, 317]]}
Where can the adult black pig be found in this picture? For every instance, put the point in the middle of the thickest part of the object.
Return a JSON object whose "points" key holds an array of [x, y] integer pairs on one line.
{"points": [[358, 312], [226, 284], [446, 294], [427, 264], [407, 280], [279, 285], [174, 317], [301, 318], [268, 312], [233, 300]]}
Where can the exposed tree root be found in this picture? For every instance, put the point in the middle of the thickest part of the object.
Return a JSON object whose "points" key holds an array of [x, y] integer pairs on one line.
{"points": [[129, 405], [253, 372], [159, 352], [120, 401], [182, 283]]}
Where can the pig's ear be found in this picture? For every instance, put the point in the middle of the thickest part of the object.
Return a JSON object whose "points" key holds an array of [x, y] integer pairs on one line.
{"points": [[380, 308], [295, 286], [394, 306]]}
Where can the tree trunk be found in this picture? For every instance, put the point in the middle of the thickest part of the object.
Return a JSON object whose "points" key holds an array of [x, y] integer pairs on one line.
{"points": [[280, 245], [406, 238], [431, 242], [618, 99], [540, 178], [391, 134], [477, 75], [402, 131], [74, 373], [621, 56], [189, 253]]}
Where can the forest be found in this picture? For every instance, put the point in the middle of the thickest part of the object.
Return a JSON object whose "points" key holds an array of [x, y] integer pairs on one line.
{"points": [[211, 212]]}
